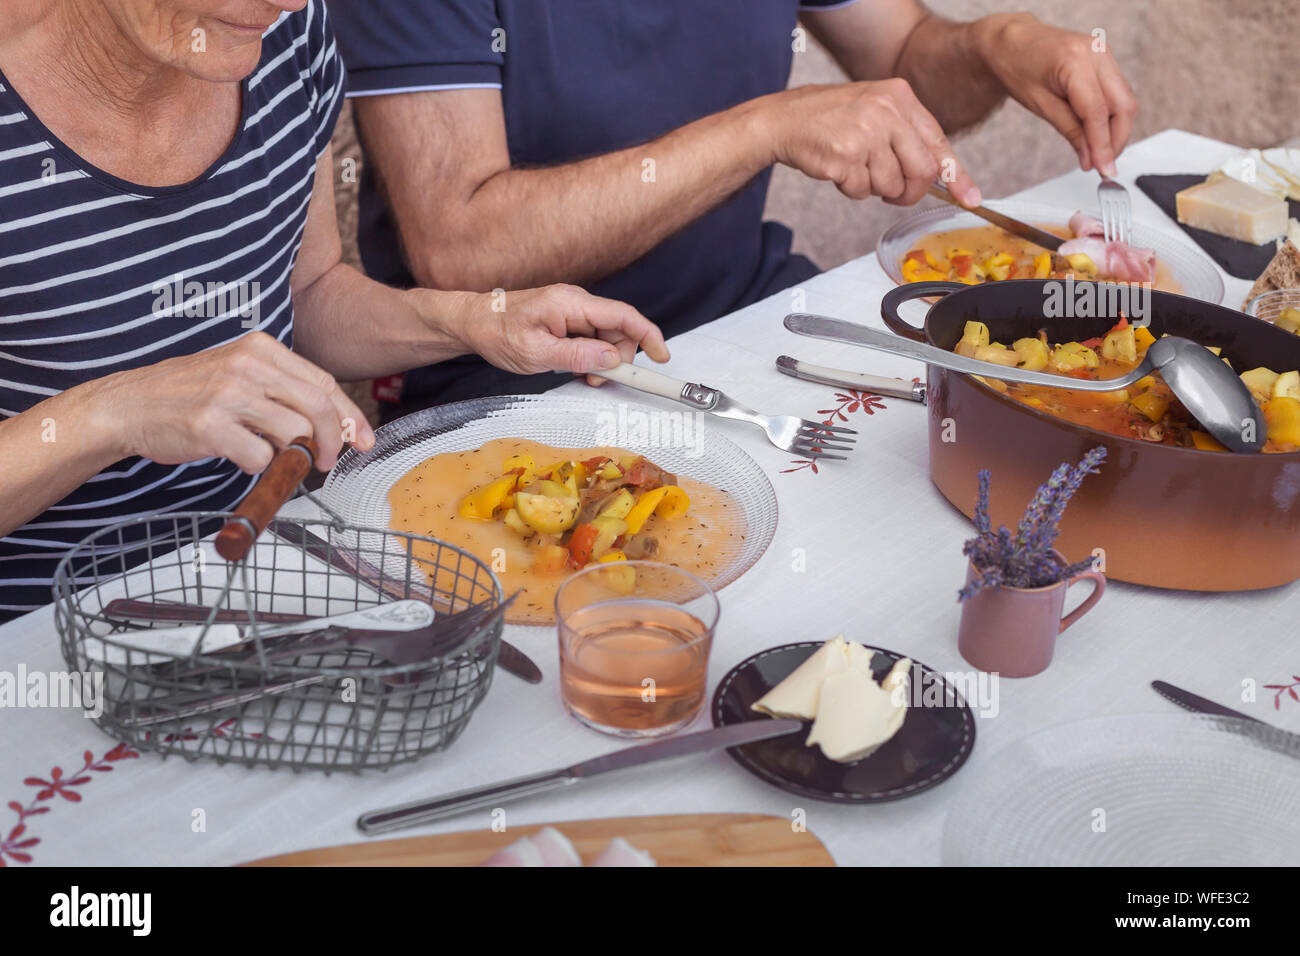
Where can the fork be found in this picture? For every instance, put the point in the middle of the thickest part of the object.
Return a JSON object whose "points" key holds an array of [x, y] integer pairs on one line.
{"points": [[1116, 210], [807, 439]]}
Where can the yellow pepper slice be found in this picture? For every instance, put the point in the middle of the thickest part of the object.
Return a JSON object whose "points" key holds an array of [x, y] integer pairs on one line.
{"points": [[914, 271], [674, 502], [644, 508], [1042, 265], [1152, 404], [484, 502], [1283, 417], [999, 266], [1142, 336], [525, 462], [1206, 442]]}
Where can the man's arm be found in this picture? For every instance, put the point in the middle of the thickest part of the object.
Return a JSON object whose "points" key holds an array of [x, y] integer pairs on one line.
{"points": [[962, 71], [468, 220]]}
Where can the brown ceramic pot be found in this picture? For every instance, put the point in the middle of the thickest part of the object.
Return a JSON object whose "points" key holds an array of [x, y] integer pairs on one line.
{"points": [[1012, 631], [1164, 516]]}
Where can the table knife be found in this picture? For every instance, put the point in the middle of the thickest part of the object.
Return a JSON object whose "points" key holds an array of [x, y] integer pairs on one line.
{"points": [[1039, 237], [438, 808], [509, 657], [1195, 702], [1261, 730], [839, 378]]}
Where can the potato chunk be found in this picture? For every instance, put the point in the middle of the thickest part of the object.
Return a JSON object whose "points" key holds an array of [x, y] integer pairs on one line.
{"points": [[1260, 382]]}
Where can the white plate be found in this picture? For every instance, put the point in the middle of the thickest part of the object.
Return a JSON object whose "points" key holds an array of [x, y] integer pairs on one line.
{"points": [[357, 488], [1191, 268], [1160, 790]]}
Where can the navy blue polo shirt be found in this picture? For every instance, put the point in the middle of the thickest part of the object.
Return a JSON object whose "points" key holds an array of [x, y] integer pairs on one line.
{"points": [[580, 78]]}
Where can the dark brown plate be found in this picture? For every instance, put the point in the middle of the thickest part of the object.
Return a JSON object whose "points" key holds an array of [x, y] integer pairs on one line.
{"points": [[930, 747]]}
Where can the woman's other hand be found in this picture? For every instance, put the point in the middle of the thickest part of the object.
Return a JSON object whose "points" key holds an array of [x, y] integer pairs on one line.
{"points": [[239, 401]]}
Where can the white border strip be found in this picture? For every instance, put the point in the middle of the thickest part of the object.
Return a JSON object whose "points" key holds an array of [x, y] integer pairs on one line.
{"points": [[353, 94], [814, 8]]}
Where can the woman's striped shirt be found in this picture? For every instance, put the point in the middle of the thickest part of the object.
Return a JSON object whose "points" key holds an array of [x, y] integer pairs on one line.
{"points": [[98, 275]]}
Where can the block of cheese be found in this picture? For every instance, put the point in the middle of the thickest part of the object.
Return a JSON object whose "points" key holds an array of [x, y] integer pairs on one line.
{"points": [[797, 695], [1230, 208], [855, 715]]}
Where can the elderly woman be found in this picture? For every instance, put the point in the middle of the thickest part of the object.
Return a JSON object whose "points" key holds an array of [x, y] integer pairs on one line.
{"points": [[172, 304]]}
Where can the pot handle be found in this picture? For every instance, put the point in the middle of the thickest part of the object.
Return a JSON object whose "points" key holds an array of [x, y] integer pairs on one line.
{"points": [[912, 290], [1098, 588]]}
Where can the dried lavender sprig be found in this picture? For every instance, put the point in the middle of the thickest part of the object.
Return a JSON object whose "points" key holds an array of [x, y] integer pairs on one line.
{"points": [[1027, 560], [982, 524], [1040, 526]]}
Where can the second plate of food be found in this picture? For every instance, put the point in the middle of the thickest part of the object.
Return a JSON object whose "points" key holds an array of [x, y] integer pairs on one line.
{"points": [[936, 736], [538, 485], [941, 230]]}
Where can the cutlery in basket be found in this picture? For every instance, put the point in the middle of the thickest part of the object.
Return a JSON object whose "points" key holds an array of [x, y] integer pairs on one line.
{"points": [[326, 703], [798, 435]]}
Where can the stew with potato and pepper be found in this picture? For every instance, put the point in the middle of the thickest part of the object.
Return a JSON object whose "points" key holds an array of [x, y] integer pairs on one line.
{"points": [[1147, 410]]}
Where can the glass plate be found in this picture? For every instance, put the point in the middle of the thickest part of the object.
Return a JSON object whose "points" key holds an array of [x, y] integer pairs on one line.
{"points": [[1192, 269], [357, 488], [1160, 790]]}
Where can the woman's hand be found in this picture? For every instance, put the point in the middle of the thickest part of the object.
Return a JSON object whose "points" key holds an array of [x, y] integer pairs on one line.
{"points": [[240, 401], [558, 328]]}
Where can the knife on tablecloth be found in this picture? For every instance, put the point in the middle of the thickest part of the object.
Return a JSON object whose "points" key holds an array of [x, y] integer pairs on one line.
{"points": [[438, 808]]}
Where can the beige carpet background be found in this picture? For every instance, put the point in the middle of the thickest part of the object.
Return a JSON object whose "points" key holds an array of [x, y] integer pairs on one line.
{"points": [[1228, 70]]}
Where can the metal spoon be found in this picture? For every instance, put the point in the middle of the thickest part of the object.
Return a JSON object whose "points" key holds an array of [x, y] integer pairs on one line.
{"points": [[1209, 389], [405, 615]]}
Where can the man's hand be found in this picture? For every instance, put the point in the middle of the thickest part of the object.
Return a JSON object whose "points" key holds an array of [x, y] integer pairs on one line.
{"points": [[240, 401], [1059, 75], [559, 328], [870, 139]]}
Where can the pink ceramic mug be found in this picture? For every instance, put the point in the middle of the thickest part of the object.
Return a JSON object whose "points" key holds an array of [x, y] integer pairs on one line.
{"points": [[1013, 630]]}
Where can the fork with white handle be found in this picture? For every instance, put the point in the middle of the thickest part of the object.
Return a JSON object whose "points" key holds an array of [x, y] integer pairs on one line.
{"points": [[797, 435], [1116, 210]]}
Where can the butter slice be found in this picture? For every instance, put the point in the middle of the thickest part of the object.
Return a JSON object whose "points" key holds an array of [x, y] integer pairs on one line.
{"points": [[797, 695], [1254, 169], [1286, 163], [856, 716], [1230, 208]]}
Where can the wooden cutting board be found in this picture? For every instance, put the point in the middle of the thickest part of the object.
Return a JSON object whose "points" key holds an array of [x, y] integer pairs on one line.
{"points": [[698, 839]]}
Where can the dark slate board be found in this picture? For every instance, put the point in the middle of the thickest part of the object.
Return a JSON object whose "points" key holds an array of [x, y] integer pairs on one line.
{"points": [[1237, 258]]}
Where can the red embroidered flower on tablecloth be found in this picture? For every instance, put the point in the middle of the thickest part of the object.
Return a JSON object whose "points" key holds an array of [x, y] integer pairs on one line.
{"points": [[847, 403], [16, 845], [1288, 689]]}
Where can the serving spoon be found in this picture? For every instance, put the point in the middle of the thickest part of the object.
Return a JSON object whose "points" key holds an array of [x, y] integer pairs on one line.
{"points": [[1209, 389]]}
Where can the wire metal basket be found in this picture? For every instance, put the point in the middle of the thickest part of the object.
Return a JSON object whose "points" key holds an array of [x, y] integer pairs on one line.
{"points": [[278, 701]]}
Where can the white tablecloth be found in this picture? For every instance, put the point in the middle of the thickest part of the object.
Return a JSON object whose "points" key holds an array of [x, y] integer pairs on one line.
{"points": [[882, 553]]}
